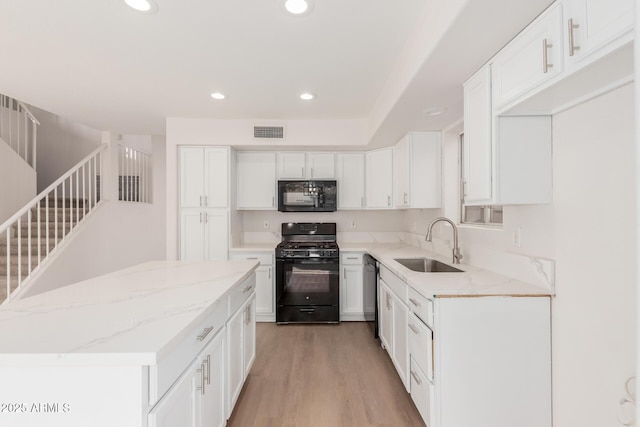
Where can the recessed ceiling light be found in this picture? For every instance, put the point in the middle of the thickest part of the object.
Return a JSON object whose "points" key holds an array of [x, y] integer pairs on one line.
{"points": [[145, 6], [218, 95], [434, 111], [298, 7], [307, 96]]}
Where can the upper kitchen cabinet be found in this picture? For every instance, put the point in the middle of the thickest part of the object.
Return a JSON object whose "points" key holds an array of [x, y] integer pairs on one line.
{"points": [[256, 180], [379, 179], [417, 171], [596, 27], [506, 160], [530, 59], [350, 179], [204, 177], [306, 166]]}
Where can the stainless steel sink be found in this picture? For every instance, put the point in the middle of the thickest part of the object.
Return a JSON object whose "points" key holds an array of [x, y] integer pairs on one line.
{"points": [[427, 265]]}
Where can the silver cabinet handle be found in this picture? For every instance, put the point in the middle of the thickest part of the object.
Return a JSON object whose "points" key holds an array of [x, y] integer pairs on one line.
{"points": [[252, 257], [388, 200], [362, 202], [415, 302], [415, 377], [414, 329], [273, 202], [208, 375], [302, 172], [405, 199], [572, 46], [206, 217], [545, 56], [202, 378], [311, 172], [344, 273], [200, 201], [204, 333], [206, 200], [200, 216], [352, 257], [247, 289], [269, 272]]}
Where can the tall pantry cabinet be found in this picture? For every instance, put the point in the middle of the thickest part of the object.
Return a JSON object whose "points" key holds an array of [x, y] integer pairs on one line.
{"points": [[204, 203]]}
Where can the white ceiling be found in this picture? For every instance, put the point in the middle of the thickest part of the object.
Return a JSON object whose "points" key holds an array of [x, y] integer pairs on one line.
{"points": [[100, 63]]}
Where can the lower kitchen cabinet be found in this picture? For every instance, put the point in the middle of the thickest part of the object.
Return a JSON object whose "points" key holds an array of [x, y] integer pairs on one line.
{"points": [[213, 392], [181, 405], [351, 286], [483, 361], [265, 310], [241, 339]]}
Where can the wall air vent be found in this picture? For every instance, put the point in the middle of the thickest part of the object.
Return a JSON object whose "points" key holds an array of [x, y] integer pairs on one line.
{"points": [[268, 132]]}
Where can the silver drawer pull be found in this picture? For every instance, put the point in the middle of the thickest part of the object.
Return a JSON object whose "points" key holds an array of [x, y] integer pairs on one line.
{"points": [[252, 257], [202, 378], [414, 329], [204, 333], [208, 362], [415, 377], [415, 302], [247, 289], [352, 257]]}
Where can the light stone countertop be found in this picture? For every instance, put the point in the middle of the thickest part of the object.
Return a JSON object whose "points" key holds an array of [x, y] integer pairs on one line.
{"points": [[474, 281], [132, 316]]}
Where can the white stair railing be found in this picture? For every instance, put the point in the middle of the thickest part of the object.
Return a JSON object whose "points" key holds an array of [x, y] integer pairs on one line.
{"points": [[29, 237], [134, 175], [19, 128]]}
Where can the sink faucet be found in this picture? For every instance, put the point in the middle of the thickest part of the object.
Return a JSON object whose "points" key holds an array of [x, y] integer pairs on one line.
{"points": [[457, 256]]}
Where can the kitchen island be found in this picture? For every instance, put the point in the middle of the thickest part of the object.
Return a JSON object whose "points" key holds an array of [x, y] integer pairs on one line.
{"points": [[145, 346]]}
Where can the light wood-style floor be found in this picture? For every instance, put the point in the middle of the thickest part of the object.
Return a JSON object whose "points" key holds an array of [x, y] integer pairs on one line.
{"points": [[322, 375]]}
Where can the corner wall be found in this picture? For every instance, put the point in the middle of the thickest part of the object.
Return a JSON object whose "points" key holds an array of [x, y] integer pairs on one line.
{"points": [[17, 182]]}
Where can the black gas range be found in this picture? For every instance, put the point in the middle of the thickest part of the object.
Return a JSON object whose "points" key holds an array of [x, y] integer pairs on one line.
{"points": [[307, 274]]}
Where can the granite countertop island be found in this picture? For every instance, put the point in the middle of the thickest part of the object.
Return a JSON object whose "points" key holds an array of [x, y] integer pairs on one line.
{"points": [[130, 317]]}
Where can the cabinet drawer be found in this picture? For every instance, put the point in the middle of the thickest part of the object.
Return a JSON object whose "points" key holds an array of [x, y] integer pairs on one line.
{"points": [[351, 258], [263, 258], [396, 284], [172, 364], [421, 306], [241, 293], [421, 345], [423, 394]]}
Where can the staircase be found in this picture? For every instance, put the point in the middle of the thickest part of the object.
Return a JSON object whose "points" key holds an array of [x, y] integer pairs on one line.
{"points": [[24, 238]]}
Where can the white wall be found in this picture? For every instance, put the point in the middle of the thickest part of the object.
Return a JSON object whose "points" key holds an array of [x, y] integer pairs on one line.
{"points": [[17, 182], [589, 231], [61, 144]]}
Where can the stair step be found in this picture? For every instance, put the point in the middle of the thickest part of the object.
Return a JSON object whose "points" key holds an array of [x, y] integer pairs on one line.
{"points": [[57, 213], [67, 202], [24, 249]]}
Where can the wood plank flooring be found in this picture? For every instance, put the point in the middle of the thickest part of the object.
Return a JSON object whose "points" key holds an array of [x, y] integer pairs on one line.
{"points": [[322, 375]]}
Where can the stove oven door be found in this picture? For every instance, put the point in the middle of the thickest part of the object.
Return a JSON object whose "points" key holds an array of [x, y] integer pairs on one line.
{"points": [[308, 286]]}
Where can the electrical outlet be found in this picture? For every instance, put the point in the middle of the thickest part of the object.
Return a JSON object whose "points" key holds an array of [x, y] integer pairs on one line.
{"points": [[516, 236], [353, 223], [265, 225]]}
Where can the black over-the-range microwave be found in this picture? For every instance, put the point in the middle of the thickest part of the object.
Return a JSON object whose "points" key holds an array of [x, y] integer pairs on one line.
{"points": [[307, 196]]}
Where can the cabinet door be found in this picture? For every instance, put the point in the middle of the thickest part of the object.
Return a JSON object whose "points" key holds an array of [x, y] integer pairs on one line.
{"points": [[530, 59], [191, 177], [350, 178], [249, 335], [181, 405], [592, 24], [265, 290], [291, 166], [385, 314], [401, 170], [235, 363], [216, 177], [351, 295], [321, 165], [212, 400], [379, 183], [423, 394], [400, 339], [477, 145], [424, 158], [256, 180], [192, 235], [217, 235]]}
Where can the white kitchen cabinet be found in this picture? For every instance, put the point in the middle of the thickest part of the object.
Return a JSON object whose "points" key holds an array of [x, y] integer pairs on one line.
{"points": [[181, 405], [423, 394], [417, 171], [306, 165], [204, 177], [256, 186], [350, 178], [530, 59], [265, 285], [203, 234], [212, 406], [593, 27], [507, 159], [379, 179], [394, 323], [241, 336], [352, 286]]}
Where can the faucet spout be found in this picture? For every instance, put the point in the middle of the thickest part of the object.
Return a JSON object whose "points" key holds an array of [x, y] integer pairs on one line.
{"points": [[457, 256]]}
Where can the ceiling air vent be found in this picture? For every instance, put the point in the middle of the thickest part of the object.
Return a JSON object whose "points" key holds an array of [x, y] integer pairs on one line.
{"points": [[268, 132]]}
